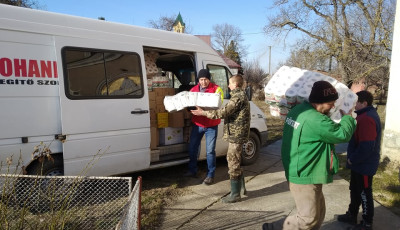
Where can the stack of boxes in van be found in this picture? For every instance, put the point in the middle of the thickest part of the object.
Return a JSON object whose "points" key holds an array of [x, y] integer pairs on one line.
{"points": [[169, 130]]}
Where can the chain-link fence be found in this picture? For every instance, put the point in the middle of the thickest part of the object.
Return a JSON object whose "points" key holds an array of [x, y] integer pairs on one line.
{"points": [[33, 202], [131, 217]]}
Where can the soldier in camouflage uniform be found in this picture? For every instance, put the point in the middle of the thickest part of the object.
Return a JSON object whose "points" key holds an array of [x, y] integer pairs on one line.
{"points": [[236, 115]]}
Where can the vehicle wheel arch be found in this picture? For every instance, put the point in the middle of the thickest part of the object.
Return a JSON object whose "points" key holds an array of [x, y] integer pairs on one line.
{"points": [[34, 165]]}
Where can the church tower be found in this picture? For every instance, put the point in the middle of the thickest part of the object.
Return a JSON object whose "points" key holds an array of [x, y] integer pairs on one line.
{"points": [[178, 25]]}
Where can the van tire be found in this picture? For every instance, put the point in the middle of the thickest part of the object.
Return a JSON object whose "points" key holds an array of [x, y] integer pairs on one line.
{"points": [[48, 167], [37, 194], [251, 149]]}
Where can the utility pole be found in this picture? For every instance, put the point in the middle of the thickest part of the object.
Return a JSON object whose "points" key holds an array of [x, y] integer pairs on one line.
{"points": [[269, 66]]}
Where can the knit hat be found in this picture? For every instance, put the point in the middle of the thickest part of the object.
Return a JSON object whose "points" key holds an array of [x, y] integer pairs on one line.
{"points": [[204, 73], [323, 91]]}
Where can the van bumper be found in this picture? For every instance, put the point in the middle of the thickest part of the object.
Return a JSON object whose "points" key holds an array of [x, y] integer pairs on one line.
{"points": [[263, 138]]}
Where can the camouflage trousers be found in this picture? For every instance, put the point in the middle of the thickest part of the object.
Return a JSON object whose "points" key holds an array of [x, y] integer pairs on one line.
{"points": [[234, 156]]}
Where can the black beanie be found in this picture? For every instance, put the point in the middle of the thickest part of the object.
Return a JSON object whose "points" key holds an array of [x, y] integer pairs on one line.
{"points": [[204, 73], [323, 91]]}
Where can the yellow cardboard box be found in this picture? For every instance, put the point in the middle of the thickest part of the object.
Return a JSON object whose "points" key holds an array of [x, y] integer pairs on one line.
{"points": [[162, 120]]}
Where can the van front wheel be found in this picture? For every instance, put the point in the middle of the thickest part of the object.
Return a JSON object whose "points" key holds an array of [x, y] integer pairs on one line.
{"points": [[251, 149], [48, 167]]}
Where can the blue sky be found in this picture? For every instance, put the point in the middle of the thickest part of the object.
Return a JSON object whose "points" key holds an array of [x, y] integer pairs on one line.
{"points": [[249, 16]]}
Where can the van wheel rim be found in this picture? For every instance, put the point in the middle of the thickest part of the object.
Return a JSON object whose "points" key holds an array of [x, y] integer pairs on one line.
{"points": [[56, 172], [249, 149]]}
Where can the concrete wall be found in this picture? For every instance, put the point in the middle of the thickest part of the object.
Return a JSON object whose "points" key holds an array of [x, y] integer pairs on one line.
{"points": [[391, 135]]}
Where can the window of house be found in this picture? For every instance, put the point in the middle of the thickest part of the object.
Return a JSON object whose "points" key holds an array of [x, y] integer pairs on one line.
{"points": [[101, 74]]}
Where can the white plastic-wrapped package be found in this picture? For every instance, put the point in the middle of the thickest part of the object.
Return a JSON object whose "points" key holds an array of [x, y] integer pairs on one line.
{"points": [[349, 101], [303, 94], [290, 86], [169, 103], [291, 97], [189, 99], [177, 103], [209, 100], [331, 80], [192, 98], [183, 97]]}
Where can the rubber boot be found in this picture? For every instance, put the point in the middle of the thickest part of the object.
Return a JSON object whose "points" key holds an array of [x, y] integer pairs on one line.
{"points": [[243, 190], [235, 192]]}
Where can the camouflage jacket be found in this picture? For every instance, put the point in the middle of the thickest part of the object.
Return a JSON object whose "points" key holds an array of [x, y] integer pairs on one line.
{"points": [[236, 115]]}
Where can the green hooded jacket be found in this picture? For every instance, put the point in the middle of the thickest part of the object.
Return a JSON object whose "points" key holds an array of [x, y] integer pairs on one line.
{"points": [[308, 144]]}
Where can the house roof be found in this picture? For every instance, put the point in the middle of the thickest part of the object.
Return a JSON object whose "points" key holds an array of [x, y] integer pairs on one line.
{"points": [[228, 61]]}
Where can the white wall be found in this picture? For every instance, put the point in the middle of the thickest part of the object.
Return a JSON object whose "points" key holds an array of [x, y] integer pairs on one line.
{"points": [[391, 135]]}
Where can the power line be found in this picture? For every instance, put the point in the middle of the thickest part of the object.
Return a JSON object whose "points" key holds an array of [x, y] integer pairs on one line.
{"points": [[252, 33]]}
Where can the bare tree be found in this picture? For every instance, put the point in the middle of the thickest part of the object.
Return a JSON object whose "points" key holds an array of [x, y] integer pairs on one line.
{"points": [[309, 57], [163, 23], [22, 3], [357, 34], [255, 77], [253, 73], [224, 34]]}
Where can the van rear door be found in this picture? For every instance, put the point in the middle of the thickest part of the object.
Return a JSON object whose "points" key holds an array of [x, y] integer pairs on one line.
{"points": [[104, 107]]}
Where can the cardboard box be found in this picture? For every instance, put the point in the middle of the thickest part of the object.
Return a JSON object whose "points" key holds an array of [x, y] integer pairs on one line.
{"points": [[176, 119], [153, 115], [154, 134], [153, 123], [152, 96], [152, 105], [187, 114], [162, 120], [159, 91], [160, 99], [187, 123], [170, 136], [160, 109], [169, 91]]}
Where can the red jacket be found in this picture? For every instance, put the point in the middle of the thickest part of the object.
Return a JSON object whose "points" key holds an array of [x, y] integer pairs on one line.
{"points": [[203, 121]]}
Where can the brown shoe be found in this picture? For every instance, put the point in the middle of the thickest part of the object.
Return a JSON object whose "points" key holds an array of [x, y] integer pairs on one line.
{"points": [[208, 181]]}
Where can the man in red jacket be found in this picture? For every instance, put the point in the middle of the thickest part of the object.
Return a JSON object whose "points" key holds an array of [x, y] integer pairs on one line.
{"points": [[203, 125]]}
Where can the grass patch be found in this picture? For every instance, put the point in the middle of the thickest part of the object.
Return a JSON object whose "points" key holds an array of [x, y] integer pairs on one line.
{"points": [[153, 201], [274, 124], [159, 192]]}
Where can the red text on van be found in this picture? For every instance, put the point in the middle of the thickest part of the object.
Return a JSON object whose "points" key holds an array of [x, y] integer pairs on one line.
{"points": [[28, 68]]}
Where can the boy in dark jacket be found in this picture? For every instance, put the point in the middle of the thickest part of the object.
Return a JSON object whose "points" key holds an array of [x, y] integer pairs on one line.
{"points": [[363, 154]]}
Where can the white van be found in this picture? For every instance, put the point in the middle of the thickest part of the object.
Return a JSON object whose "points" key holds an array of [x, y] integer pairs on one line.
{"points": [[81, 86]]}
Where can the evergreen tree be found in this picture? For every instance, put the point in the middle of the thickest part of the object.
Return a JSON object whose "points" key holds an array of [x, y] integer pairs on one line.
{"points": [[232, 52]]}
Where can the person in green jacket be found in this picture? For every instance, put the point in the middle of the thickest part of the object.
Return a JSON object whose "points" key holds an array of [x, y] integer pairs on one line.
{"points": [[308, 155]]}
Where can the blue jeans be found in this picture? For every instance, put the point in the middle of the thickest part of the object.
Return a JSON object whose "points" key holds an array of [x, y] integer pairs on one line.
{"points": [[196, 135]]}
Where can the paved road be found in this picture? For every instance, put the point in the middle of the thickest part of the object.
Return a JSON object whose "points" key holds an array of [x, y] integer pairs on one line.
{"points": [[268, 199]]}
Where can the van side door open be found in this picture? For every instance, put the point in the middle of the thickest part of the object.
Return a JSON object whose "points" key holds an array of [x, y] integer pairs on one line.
{"points": [[104, 107]]}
